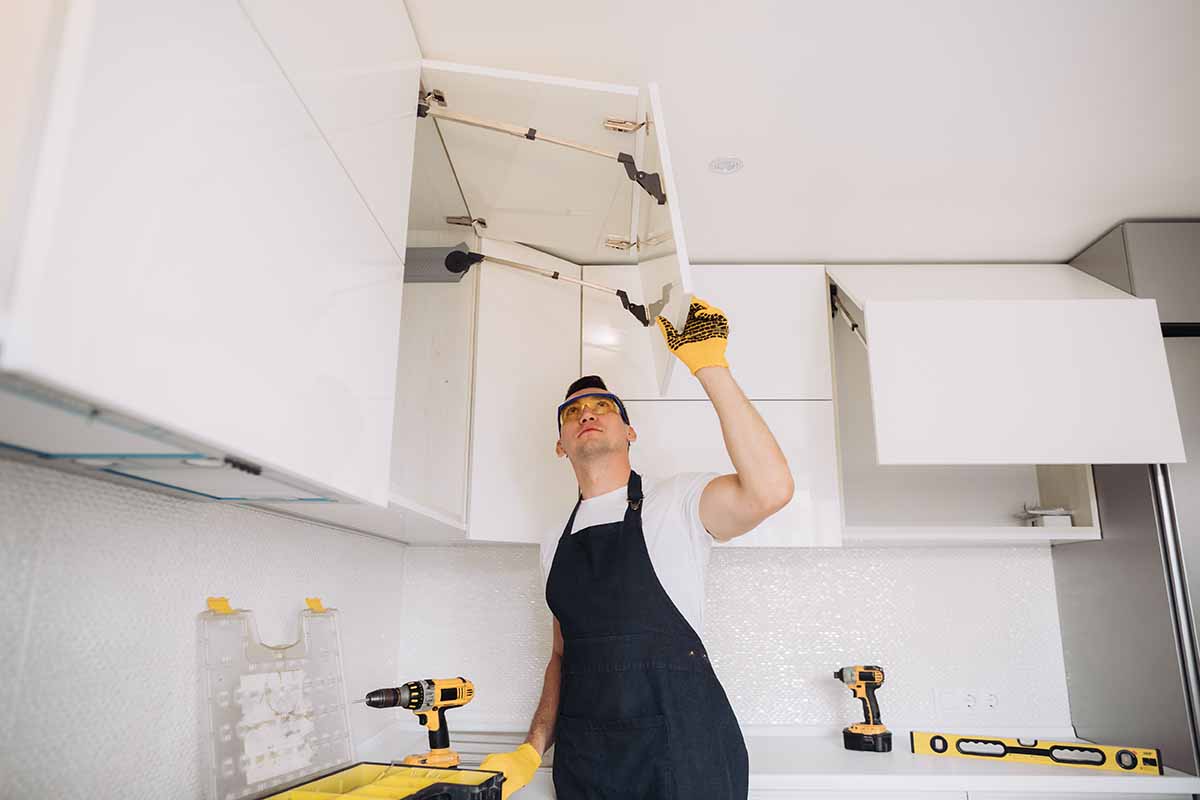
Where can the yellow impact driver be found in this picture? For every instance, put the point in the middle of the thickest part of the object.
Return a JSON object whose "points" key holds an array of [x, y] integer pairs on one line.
{"points": [[428, 699], [869, 735]]}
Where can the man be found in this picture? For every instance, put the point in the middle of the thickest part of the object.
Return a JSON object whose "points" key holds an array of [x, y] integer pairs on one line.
{"points": [[629, 695]]}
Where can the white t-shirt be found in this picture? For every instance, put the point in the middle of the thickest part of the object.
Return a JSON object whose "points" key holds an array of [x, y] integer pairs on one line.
{"points": [[677, 541]]}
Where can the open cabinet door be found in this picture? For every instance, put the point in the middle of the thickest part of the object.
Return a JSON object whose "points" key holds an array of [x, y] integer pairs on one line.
{"points": [[1011, 365], [662, 253], [524, 188]]}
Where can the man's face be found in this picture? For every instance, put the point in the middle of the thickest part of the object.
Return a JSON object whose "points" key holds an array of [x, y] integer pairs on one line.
{"points": [[591, 434]]}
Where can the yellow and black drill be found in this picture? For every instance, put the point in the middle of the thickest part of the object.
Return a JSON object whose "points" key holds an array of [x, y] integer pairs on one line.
{"points": [[870, 734], [428, 699]]}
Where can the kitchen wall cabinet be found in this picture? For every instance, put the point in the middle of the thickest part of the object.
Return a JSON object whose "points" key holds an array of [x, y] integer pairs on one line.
{"points": [[937, 491], [196, 255], [685, 436], [779, 333]]}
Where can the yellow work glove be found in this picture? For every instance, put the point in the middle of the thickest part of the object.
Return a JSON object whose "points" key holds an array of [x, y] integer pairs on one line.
{"points": [[702, 341], [518, 767]]}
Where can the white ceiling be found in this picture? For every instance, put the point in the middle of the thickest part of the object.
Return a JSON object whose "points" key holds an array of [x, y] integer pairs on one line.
{"points": [[948, 130]]}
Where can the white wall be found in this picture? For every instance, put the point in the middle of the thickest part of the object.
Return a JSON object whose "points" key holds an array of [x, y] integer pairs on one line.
{"points": [[100, 586], [778, 623]]}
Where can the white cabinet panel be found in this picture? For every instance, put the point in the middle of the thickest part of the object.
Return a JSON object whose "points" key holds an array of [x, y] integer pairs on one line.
{"points": [[778, 341], [197, 257], [526, 355], [433, 408], [1020, 382], [357, 68], [1011, 364], [685, 436]]}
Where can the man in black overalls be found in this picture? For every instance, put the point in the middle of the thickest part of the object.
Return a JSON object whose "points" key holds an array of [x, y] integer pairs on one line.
{"points": [[629, 696]]}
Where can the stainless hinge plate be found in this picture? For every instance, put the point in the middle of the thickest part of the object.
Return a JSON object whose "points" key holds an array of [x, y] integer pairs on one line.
{"points": [[621, 125]]}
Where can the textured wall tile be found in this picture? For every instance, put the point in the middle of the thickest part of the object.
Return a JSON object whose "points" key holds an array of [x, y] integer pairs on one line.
{"points": [[113, 579], [778, 623]]}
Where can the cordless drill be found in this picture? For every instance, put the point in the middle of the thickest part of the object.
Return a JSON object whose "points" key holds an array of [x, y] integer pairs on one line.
{"points": [[869, 734], [428, 699]]}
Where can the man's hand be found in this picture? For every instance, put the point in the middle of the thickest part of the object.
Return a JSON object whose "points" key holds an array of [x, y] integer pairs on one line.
{"points": [[702, 341], [518, 767]]}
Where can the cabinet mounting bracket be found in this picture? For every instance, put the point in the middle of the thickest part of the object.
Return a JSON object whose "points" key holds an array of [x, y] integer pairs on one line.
{"points": [[650, 181]]}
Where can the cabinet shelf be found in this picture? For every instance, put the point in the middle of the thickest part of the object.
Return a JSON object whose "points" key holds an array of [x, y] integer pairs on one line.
{"points": [[963, 536]]}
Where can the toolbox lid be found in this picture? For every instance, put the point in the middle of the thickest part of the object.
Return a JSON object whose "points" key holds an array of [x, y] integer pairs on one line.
{"points": [[272, 715]]}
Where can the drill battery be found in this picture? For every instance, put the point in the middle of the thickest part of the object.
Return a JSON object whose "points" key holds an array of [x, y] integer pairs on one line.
{"points": [[398, 782]]}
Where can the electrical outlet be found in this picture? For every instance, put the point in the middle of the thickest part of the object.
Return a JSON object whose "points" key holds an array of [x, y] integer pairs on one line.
{"points": [[959, 702]]}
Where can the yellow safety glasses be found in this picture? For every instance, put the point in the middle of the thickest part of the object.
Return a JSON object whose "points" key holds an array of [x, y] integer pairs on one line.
{"points": [[599, 403]]}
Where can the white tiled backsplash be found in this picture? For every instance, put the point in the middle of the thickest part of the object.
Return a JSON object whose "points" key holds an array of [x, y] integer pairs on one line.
{"points": [[100, 585], [778, 623]]}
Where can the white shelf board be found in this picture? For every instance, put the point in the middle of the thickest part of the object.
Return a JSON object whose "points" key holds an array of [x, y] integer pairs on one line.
{"points": [[963, 536]]}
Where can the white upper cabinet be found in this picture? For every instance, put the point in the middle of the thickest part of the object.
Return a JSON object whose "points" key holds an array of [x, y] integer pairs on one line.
{"points": [[1038, 364], [778, 340], [214, 239], [685, 436]]}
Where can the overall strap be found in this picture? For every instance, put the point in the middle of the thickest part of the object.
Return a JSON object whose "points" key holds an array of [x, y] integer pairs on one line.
{"points": [[571, 522], [634, 493]]}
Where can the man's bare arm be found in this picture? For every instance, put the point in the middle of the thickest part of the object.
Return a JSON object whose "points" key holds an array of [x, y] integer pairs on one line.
{"points": [[541, 729], [762, 484]]}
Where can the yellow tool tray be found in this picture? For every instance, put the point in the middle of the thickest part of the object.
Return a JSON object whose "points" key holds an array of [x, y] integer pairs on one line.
{"points": [[398, 782]]}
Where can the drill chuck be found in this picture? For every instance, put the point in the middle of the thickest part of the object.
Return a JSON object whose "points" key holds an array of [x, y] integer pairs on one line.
{"points": [[395, 697]]}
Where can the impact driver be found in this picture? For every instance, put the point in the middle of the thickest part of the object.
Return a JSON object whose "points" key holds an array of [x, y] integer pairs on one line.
{"points": [[870, 734]]}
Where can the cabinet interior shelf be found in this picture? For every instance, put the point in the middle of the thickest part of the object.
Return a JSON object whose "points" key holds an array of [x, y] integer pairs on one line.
{"points": [[964, 536]]}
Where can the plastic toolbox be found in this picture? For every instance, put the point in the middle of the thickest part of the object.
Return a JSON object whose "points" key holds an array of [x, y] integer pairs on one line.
{"points": [[398, 782]]}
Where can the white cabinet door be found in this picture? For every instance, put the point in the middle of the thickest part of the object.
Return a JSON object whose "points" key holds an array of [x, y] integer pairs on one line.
{"points": [[685, 436], [778, 341], [357, 68], [526, 355], [661, 249], [1012, 365], [433, 410], [196, 255]]}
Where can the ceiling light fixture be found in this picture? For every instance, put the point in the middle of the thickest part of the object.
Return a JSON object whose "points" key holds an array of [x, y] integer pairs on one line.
{"points": [[726, 165]]}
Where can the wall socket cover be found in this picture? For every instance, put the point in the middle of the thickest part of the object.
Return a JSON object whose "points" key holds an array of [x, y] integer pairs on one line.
{"points": [[953, 701]]}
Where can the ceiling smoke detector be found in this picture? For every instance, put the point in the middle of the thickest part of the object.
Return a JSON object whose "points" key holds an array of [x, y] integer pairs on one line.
{"points": [[725, 166]]}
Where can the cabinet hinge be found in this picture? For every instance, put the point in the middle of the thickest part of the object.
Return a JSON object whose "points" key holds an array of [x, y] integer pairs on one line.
{"points": [[434, 97], [618, 125], [467, 221], [621, 243]]}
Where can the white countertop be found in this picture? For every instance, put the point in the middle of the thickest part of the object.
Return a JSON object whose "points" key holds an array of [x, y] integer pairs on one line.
{"points": [[799, 763]]}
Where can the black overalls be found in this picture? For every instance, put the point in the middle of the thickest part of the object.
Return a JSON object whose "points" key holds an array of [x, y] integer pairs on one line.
{"points": [[641, 713]]}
